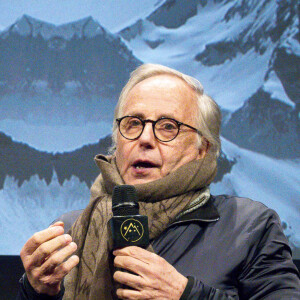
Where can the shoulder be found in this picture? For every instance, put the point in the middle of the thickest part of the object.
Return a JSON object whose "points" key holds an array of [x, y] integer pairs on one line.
{"points": [[242, 207], [243, 215]]}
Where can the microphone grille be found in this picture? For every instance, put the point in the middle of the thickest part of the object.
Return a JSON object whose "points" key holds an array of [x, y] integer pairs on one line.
{"points": [[124, 200], [124, 193]]}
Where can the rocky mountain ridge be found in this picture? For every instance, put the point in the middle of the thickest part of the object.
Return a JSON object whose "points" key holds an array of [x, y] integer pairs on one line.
{"points": [[82, 54]]}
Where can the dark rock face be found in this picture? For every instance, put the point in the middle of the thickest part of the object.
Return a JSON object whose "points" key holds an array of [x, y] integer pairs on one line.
{"points": [[287, 67], [224, 166], [265, 125], [218, 53], [81, 52], [131, 32], [174, 13], [21, 162]]}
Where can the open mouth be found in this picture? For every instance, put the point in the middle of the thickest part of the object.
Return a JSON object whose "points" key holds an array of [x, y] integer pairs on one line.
{"points": [[143, 165]]}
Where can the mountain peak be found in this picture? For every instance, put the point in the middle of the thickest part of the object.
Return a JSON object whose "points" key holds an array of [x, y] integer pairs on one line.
{"points": [[30, 26], [55, 61], [27, 25], [85, 27]]}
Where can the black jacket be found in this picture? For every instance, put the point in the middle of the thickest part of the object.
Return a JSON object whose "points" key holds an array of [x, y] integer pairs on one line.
{"points": [[230, 248]]}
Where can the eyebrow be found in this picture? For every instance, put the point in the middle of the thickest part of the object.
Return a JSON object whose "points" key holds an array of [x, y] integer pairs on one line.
{"points": [[142, 116]]}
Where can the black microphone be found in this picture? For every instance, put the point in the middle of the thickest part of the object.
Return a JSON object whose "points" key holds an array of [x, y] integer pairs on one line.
{"points": [[128, 227]]}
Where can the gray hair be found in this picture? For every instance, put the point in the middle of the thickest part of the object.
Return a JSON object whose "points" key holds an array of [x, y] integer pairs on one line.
{"points": [[208, 117]]}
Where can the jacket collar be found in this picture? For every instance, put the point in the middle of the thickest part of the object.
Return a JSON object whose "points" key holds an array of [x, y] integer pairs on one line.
{"points": [[205, 214]]}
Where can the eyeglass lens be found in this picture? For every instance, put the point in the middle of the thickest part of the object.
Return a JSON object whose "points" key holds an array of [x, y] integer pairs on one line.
{"points": [[164, 129]]}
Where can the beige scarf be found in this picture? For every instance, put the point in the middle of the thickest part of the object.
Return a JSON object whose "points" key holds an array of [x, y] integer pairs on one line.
{"points": [[161, 200]]}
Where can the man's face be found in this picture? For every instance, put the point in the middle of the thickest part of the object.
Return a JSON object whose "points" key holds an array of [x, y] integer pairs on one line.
{"points": [[146, 159]]}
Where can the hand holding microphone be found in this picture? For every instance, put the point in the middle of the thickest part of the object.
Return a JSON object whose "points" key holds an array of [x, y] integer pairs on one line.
{"points": [[147, 275]]}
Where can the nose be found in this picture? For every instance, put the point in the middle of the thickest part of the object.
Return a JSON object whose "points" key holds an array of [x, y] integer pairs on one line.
{"points": [[147, 138]]}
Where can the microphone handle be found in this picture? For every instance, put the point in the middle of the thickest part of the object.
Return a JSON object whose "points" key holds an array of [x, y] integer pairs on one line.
{"points": [[131, 230]]}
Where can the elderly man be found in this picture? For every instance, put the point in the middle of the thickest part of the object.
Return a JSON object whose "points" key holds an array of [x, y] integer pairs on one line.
{"points": [[166, 137]]}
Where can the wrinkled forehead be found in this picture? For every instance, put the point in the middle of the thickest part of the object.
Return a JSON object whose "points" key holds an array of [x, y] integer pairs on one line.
{"points": [[166, 90]]}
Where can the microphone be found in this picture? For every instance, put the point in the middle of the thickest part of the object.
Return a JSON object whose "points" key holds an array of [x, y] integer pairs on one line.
{"points": [[127, 226]]}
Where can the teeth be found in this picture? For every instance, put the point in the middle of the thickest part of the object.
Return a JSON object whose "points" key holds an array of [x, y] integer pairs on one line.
{"points": [[143, 165]]}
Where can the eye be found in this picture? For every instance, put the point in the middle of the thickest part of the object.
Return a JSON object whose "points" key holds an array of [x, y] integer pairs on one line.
{"points": [[134, 123], [130, 123], [167, 125]]}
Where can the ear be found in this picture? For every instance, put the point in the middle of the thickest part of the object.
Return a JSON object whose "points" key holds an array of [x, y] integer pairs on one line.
{"points": [[205, 145]]}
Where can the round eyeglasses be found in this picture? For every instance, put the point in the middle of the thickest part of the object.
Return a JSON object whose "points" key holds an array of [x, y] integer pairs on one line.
{"points": [[164, 129]]}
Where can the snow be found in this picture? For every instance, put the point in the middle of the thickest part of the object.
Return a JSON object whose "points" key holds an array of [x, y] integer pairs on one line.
{"points": [[274, 86], [55, 138], [244, 73], [233, 82], [33, 206], [44, 108], [292, 46], [263, 15], [271, 181], [55, 123]]}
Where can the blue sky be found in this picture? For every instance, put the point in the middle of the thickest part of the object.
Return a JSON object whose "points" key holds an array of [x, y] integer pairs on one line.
{"points": [[112, 14]]}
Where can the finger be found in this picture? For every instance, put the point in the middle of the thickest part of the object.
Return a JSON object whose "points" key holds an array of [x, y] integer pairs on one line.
{"points": [[48, 248], [51, 280], [130, 294], [58, 223], [134, 281], [58, 258], [39, 238], [137, 252], [131, 264], [63, 269]]}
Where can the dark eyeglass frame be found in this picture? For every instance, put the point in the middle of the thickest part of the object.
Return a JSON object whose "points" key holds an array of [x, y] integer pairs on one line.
{"points": [[179, 124]]}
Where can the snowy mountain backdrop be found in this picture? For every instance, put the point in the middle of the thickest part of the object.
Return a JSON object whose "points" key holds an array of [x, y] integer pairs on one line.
{"points": [[59, 86]]}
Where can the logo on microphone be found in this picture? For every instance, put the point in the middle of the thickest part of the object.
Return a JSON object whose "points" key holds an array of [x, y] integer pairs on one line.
{"points": [[132, 230]]}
